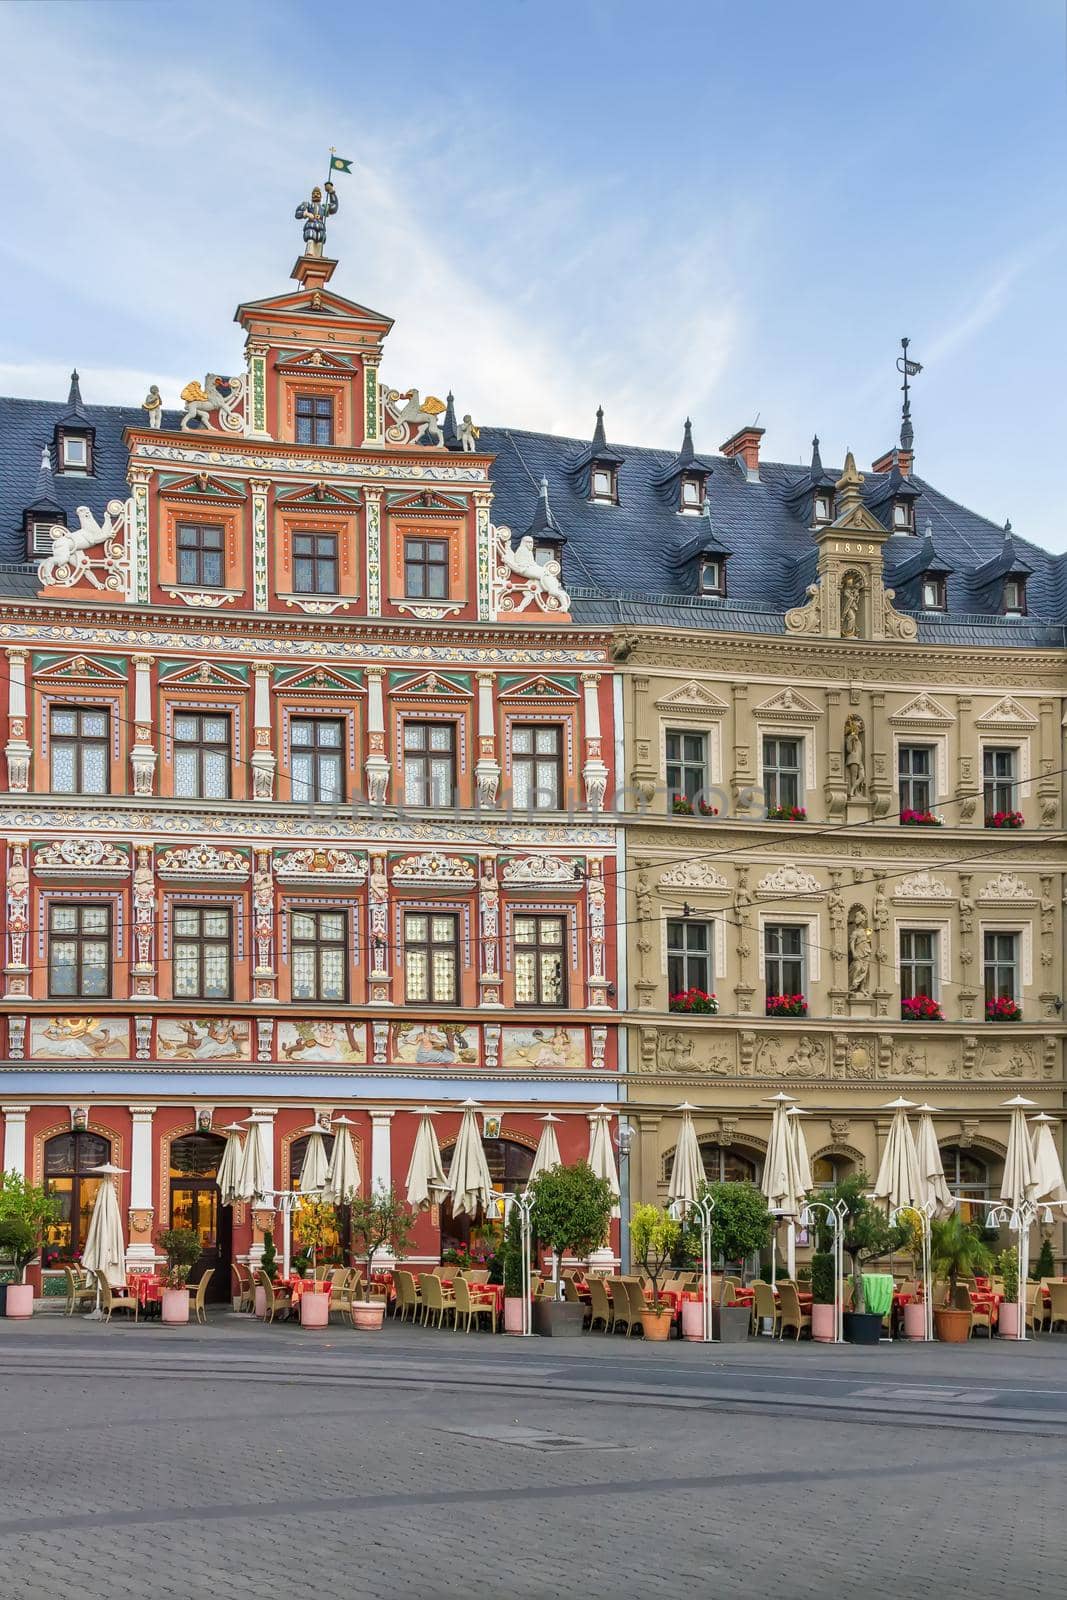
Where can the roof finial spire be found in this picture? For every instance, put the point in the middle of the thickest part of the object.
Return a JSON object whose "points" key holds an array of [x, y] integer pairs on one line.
{"points": [[687, 452], [600, 441], [816, 458], [74, 398], [910, 369]]}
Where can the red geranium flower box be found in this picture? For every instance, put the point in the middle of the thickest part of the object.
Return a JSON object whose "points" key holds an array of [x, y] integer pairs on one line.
{"points": [[694, 999], [919, 819], [786, 814], [1005, 819], [920, 1008], [1003, 1010], [787, 1005]]}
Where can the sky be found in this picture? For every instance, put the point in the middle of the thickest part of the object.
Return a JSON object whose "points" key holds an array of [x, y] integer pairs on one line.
{"points": [[710, 210]]}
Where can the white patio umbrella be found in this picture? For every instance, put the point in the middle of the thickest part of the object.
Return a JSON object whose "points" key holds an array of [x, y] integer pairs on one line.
{"points": [[1047, 1166], [426, 1180], [805, 1181], [1020, 1176], [898, 1182], [105, 1248], [315, 1168], [780, 1181], [933, 1185], [469, 1182], [229, 1172], [687, 1168], [547, 1153], [342, 1177], [601, 1155], [252, 1177]]}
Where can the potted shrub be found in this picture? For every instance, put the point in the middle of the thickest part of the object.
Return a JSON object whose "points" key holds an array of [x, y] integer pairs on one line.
{"points": [[378, 1221], [823, 1296], [1007, 1264], [571, 1212], [655, 1237], [957, 1250], [182, 1248], [868, 1234], [1045, 1265], [26, 1211], [512, 1254], [740, 1227]]}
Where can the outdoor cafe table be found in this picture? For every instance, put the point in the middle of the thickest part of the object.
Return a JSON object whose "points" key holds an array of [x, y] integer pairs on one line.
{"points": [[483, 1292], [148, 1287], [301, 1286]]}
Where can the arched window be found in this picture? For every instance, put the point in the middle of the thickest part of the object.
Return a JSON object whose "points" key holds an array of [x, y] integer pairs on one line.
{"points": [[68, 1162], [298, 1150], [726, 1163], [828, 1171], [967, 1174], [509, 1166]]}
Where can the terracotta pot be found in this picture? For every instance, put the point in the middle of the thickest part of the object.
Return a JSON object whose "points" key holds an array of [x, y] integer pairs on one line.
{"points": [[261, 1300], [512, 1313], [1008, 1320], [314, 1310], [822, 1324], [952, 1327], [657, 1324], [19, 1300], [175, 1305], [366, 1314], [693, 1320], [915, 1320]]}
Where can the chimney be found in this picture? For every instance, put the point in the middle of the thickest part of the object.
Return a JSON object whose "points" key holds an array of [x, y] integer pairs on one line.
{"points": [[745, 443], [904, 459]]}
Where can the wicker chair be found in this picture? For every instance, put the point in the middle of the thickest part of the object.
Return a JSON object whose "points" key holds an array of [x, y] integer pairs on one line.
{"points": [[792, 1316], [1058, 1308], [407, 1295], [276, 1299], [81, 1289], [481, 1275], [622, 1316], [199, 1307], [110, 1301], [638, 1304], [765, 1306], [244, 1289], [600, 1307], [1038, 1314], [436, 1300], [467, 1306]]}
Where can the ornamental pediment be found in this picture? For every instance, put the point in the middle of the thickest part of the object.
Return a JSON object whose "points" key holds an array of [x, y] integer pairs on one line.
{"points": [[694, 875], [1007, 713], [202, 485], [433, 867], [431, 683], [316, 361], [316, 864], [922, 886], [538, 689], [319, 496], [858, 519], [693, 697], [1005, 886], [319, 303], [202, 861], [77, 669], [789, 879], [922, 712], [319, 680], [424, 500], [541, 869], [202, 675], [788, 706], [96, 858]]}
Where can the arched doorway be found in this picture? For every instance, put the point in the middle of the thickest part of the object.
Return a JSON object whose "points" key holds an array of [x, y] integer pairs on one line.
{"points": [[195, 1203], [68, 1162], [297, 1155], [509, 1164]]}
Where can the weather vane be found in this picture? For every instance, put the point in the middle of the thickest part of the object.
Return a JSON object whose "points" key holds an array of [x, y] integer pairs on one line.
{"points": [[910, 369]]}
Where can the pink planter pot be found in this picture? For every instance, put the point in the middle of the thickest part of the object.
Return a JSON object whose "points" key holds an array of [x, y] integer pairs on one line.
{"points": [[368, 1314], [693, 1320], [512, 1314], [915, 1320], [822, 1324], [261, 1300], [20, 1300], [314, 1310], [1007, 1321], [176, 1305]]}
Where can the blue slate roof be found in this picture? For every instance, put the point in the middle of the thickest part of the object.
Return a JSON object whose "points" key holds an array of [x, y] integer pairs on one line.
{"points": [[628, 563]]}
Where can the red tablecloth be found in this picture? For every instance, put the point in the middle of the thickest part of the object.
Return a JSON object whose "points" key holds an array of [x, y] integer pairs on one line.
{"points": [[147, 1287], [482, 1291]]}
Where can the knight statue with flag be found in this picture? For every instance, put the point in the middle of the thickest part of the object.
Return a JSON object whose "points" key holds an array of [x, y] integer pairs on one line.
{"points": [[315, 212]]}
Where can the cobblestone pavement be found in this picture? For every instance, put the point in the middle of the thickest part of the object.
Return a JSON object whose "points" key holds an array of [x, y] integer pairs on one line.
{"points": [[243, 1460]]}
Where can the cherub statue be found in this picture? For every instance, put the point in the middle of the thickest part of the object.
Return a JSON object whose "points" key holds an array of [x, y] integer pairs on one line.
{"points": [[153, 404]]}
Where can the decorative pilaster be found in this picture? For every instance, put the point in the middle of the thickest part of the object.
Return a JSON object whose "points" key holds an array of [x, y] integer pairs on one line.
{"points": [[487, 770], [16, 1038], [1048, 787], [262, 1215], [968, 774], [594, 772], [15, 1139], [377, 765], [264, 761], [140, 1252], [742, 777], [143, 755], [139, 581], [596, 924], [256, 403], [144, 923], [260, 489], [489, 974], [381, 1163], [17, 749], [483, 499], [372, 429], [17, 970], [373, 498], [264, 976], [378, 889]]}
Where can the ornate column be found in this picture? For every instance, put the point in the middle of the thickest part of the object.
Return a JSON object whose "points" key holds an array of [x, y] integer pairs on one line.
{"points": [[742, 778], [595, 901], [18, 745], [372, 430], [144, 923], [377, 765], [140, 1251], [264, 761], [968, 769], [880, 775], [381, 1163], [138, 584], [15, 1138], [487, 770], [1048, 784], [644, 778], [378, 889], [483, 499], [260, 596], [17, 967], [263, 1217], [594, 772], [373, 498], [143, 755], [489, 971], [256, 399], [264, 976]]}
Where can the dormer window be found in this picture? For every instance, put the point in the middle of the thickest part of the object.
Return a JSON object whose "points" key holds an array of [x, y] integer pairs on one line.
{"points": [[40, 540], [603, 484], [902, 516], [934, 594], [1014, 596], [692, 493], [713, 575], [73, 452], [823, 508], [546, 550]]}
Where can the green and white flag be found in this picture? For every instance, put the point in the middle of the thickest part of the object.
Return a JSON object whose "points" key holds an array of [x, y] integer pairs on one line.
{"points": [[339, 164]]}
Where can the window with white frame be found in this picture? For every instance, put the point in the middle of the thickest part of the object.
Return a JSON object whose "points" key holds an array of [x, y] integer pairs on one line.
{"points": [[784, 957], [603, 484], [74, 452], [918, 963], [934, 594], [1000, 771], [540, 944], [1014, 596], [915, 776], [1001, 957], [687, 763], [689, 953], [782, 767]]}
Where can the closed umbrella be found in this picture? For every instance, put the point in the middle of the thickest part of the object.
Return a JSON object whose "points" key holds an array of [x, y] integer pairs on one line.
{"points": [[933, 1185], [105, 1249], [898, 1182], [1049, 1184], [229, 1173], [805, 1182], [252, 1178], [469, 1182], [315, 1168], [687, 1169], [601, 1155], [342, 1178], [1020, 1177], [547, 1154], [780, 1180], [426, 1180]]}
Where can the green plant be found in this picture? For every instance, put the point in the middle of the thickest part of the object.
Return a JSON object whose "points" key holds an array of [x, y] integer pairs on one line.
{"points": [[1008, 1267], [740, 1223], [957, 1250], [823, 1279], [380, 1221], [512, 1255], [867, 1231], [315, 1225], [1045, 1265], [269, 1259], [654, 1235], [182, 1247], [26, 1211], [571, 1210]]}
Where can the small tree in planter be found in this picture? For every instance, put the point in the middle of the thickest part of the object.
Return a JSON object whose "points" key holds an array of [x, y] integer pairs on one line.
{"points": [[378, 1221], [655, 1237], [315, 1226], [183, 1249], [571, 1211], [868, 1234], [957, 1250], [511, 1257], [268, 1261], [26, 1213], [740, 1227], [823, 1296], [1045, 1265]]}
